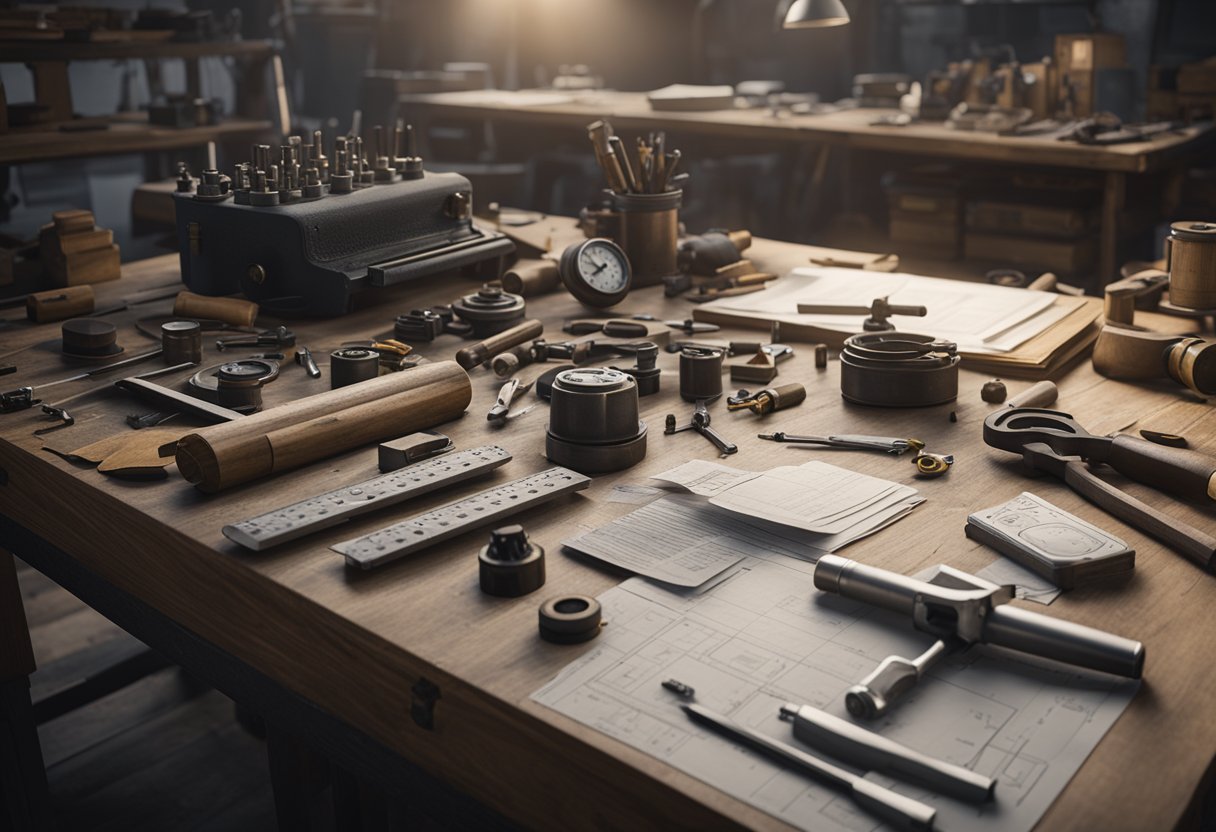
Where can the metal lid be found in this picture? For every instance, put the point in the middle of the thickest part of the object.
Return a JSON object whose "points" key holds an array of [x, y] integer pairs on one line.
{"points": [[1194, 231], [592, 380]]}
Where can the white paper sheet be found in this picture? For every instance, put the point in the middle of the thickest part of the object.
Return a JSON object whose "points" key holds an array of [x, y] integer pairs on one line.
{"points": [[765, 636], [979, 317]]}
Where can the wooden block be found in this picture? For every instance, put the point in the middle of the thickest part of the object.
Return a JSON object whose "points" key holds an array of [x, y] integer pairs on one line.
{"points": [[73, 221], [95, 266], [81, 241]]}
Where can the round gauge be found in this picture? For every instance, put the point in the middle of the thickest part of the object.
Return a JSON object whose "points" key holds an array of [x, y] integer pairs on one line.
{"points": [[596, 272]]}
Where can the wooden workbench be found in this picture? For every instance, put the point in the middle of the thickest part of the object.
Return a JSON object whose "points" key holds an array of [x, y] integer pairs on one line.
{"points": [[846, 129], [345, 651]]}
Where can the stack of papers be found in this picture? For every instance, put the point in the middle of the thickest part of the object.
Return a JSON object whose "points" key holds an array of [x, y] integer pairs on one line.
{"points": [[728, 515], [995, 327]]}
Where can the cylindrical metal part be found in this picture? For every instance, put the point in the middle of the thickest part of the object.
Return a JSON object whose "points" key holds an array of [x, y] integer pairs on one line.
{"points": [[1190, 253], [529, 278], [821, 356], [510, 565], [1003, 625], [700, 373], [235, 311], [490, 310], [181, 342], [786, 395], [59, 304], [239, 385], [351, 365], [470, 356], [898, 369], [1064, 641], [649, 233], [506, 363], [593, 421], [570, 619]]}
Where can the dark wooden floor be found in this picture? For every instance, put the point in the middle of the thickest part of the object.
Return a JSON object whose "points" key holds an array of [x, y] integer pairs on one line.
{"points": [[162, 753]]}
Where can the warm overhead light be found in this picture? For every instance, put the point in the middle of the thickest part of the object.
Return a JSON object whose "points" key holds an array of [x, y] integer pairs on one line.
{"points": [[815, 14]]}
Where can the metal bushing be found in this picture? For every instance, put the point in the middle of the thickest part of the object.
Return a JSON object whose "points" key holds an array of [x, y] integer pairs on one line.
{"points": [[490, 310], [898, 369], [239, 387], [351, 365], [182, 342], [570, 619], [593, 421], [700, 374], [510, 565]]}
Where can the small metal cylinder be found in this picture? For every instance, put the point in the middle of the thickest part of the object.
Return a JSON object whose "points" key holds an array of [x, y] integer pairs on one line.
{"points": [[649, 233], [182, 342], [570, 619], [700, 374], [593, 421], [821, 356], [352, 365], [510, 565], [239, 385], [529, 278]]}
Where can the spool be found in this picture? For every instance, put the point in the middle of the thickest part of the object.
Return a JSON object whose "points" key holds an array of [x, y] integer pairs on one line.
{"points": [[700, 374], [313, 428], [233, 311], [898, 369], [182, 342], [570, 619], [352, 365], [1190, 253], [593, 421]]}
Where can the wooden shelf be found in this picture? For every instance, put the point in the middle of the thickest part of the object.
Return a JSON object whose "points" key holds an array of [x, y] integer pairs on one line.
{"points": [[23, 51], [38, 144]]}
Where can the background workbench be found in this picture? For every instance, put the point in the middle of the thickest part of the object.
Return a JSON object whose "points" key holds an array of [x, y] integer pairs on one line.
{"points": [[844, 130], [349, 649]]}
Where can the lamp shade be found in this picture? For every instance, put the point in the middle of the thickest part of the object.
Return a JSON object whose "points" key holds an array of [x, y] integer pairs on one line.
{"points": [[815, 14]]}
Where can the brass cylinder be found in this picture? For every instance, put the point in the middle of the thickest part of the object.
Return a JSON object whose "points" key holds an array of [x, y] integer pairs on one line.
{"points": [[649, 234], [1190, 252]]}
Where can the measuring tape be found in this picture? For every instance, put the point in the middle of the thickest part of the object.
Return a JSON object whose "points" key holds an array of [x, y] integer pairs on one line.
{"points": [[332, 508], [489, 506]]}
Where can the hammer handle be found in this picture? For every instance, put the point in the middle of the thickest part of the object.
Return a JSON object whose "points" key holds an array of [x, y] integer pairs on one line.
{"points": [[1183, 538]]}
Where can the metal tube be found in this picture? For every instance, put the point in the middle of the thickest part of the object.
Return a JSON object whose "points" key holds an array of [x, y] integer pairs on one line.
{"points": [[1064, 641]]}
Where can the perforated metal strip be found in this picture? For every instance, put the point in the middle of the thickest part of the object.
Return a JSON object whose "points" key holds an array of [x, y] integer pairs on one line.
{"points": [[456, 518], [316, 513]]}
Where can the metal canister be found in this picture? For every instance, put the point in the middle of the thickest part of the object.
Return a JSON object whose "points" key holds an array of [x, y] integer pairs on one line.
{"points": [[593, 421], [700, 374], [182, 341], [649, 233], [1190, 253]]}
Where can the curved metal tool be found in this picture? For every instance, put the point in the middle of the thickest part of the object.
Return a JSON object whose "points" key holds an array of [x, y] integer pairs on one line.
{"points": [[1176, 470]]}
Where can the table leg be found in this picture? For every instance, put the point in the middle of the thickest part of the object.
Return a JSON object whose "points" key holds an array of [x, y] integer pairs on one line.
{"points": [[298, 775], [24, 802], [1114, 191]]}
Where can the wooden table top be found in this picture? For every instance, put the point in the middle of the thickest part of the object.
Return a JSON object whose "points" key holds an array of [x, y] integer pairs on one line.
{"points": [[851, 128], [354, 643]]}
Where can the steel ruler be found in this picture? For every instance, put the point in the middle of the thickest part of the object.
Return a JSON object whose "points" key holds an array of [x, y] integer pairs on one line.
{"points": [[481, 509], [316, 513]]}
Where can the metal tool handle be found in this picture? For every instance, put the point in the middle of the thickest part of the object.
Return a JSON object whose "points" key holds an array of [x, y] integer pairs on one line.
{"points": [[713, 436], [1179, 471], [1182, 537], [1064, 641], [903, 812], [917, 311], [866, 749]]}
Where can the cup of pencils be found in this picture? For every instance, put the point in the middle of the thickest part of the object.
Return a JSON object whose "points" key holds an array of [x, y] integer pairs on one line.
{"points": [[646, 194]]}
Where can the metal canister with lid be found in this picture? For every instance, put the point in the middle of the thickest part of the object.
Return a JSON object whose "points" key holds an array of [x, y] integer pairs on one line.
{"points": [[1190, 252], [593, 421]]}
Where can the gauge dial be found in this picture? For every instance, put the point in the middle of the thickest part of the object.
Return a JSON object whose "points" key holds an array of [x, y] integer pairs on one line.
{"points": [[596, 272]]}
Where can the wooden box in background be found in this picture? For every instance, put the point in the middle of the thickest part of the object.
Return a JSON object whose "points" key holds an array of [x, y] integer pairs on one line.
{"points": [[75, 251], [1077, 59]]}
